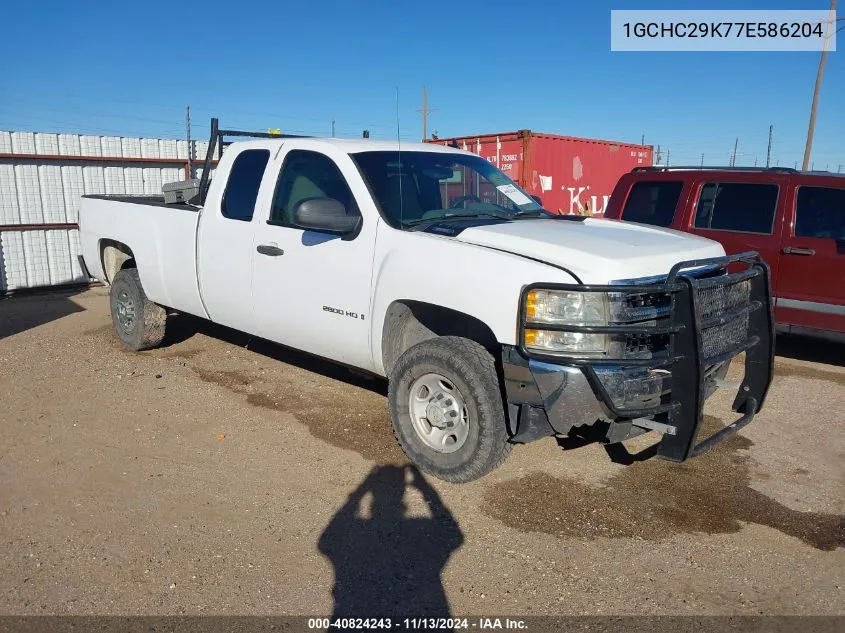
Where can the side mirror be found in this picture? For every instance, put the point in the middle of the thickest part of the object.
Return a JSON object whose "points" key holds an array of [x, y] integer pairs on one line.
{"points": [[326, 215], [538, 200]]}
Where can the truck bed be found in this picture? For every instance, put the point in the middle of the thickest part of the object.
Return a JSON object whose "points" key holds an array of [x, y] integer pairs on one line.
{"points": [[153, 201], [162, 241]]}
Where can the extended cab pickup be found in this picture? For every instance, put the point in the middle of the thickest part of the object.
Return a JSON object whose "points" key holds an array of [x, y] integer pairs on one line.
{"points": [[495, 321], [794, 219]]}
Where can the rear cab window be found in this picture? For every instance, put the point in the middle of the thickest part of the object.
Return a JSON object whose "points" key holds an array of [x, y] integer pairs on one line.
{"points": [[244, 181], [653, 202], [736, 206]]}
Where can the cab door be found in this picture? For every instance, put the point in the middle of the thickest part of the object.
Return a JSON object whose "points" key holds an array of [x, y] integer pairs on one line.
{"points": [[810, 290], [311, 290], [740, 213]]}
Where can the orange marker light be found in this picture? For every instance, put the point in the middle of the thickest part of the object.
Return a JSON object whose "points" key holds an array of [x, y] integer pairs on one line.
{"points": [[531, 304]]}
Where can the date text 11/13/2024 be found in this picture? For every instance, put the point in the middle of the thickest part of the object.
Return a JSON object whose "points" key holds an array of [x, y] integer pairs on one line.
{"points": [[417, 624]]}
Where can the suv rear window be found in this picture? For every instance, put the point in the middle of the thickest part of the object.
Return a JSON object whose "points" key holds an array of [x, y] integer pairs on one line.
{"points": [[820, 212], [653, 202], [735, 206]]}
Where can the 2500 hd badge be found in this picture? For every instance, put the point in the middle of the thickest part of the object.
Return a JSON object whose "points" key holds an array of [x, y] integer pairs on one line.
{"points": [[343, 312]]}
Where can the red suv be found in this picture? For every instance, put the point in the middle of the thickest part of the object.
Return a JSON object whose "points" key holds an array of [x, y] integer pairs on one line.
{"points": [[794, 219]]}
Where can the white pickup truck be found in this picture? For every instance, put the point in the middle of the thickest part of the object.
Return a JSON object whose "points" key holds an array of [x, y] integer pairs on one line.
{"points": [[495, 322]]}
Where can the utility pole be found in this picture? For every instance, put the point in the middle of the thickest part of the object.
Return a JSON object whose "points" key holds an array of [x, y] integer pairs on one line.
{"points": [[733, 156], [657, 160], [839, 169], [332, 128], [702, 159], [755, 161], [769, 151], [425, 110], [190, 173], [812, 127], [667, 157], [642, 140]]}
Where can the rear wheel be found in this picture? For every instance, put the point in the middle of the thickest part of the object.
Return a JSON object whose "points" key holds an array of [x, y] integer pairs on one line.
{"points": [[447, 410], [138, 322]]}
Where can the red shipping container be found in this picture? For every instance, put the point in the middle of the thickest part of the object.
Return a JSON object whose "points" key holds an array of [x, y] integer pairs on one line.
{"points": [[571, 175]]}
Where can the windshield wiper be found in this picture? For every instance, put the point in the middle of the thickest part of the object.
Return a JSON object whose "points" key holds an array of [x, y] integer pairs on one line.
{"points": [[532, 213], [457, 216]]}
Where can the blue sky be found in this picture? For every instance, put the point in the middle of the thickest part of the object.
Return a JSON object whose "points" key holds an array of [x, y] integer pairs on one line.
{"points": [[129, 68]]}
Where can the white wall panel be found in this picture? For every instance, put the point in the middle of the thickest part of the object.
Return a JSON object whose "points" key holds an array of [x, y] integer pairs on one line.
{"points": [[172, 174], [23, 142], [69, 145], [58, 257], [29, 195], [9, 208], [200, 150], [134, 179], [5, 142], [75, 251], [35, 258], [47, 143], [152, 181], [93, 179], [112, 146], [73, 187], [52, 195], [13, 260], [149, 148], [168, 148], [90, 146], [131, 147], [115, 184]]}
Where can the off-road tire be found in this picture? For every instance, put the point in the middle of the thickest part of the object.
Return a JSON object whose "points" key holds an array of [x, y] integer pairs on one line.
{"points": [[472, 370], [147, 328]]}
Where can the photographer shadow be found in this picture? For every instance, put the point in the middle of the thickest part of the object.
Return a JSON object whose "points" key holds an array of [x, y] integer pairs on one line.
{"points": [[388, 564]]}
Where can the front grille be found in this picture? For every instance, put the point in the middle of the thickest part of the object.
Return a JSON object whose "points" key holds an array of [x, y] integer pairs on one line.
{"points": [[714, 302]]}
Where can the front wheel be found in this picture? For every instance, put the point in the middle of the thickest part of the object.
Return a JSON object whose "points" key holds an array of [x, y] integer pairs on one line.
{"points": [[446, 409], [138, 322]]}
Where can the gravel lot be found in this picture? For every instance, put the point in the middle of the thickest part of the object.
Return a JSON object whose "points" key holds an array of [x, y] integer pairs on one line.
{"points": [[223, 475]]}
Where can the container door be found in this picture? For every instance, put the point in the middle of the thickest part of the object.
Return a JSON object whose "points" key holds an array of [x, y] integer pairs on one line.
{"points": [[811, 286], [741, 215]]}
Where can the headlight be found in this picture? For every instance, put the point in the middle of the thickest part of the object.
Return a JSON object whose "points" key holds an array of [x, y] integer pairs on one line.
{"points": [[564, 307]]}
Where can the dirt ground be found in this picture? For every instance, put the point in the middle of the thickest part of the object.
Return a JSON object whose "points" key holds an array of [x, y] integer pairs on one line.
{"points": [[224, 475]]}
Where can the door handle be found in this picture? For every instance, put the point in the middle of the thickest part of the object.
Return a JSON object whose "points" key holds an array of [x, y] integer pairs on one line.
{"points": [[272, 251], [789, 250]]}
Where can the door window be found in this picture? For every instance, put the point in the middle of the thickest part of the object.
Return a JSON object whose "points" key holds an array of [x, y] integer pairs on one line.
{"points": [[735, 206], [820, 212], [244, 181], [652, 202], [306, 175]]}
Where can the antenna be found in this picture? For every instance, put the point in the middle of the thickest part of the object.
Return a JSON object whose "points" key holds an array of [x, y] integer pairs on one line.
{"points": [[399, 155]]}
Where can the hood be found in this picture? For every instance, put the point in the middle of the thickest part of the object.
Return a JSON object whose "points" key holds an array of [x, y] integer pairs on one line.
{"points": [[598, 251]]}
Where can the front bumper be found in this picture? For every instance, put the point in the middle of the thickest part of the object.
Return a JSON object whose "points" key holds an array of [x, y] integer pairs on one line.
{"points": [[552, 394]]}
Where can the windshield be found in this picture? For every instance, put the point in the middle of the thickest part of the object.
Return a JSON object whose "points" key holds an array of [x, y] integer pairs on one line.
{"points": [[431, 186]]}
